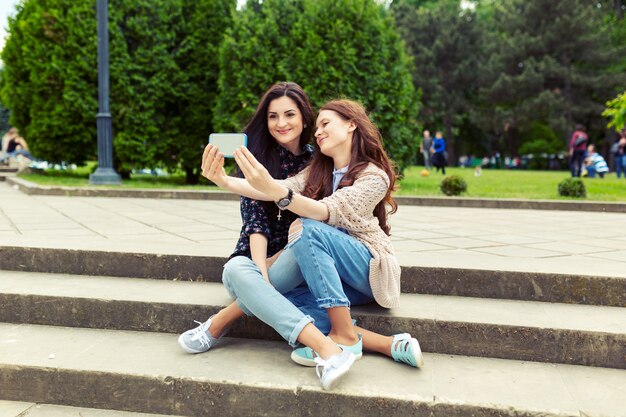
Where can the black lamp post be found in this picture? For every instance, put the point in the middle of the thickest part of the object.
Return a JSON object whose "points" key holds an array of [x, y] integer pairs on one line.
{"points": [[105, 174]]}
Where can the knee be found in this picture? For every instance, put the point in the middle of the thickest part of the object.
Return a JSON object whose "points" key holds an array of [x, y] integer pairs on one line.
{"points": [[295, 231], [235, 269]]}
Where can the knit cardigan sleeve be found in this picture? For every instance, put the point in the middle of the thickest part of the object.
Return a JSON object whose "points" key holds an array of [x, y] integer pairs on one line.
{"points": [[349, 207], [297, 182]]}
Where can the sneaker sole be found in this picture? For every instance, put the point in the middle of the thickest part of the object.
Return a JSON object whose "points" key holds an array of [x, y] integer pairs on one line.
{"points": [[340, 373], [310, 362], [186, 348], [417, 353]]}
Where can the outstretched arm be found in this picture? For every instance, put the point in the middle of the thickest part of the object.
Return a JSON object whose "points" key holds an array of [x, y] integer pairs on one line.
{"points": [[259, 179], [213, 170]]}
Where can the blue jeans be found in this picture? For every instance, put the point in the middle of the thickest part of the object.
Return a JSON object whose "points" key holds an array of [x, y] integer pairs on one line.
{"points": [[427, 163], [334, 265], [576, 163], [620, 165], [256, 297], [289, 304]]}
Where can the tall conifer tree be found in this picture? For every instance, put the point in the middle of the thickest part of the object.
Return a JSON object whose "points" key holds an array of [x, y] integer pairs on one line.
{"points": [[548, 63]]}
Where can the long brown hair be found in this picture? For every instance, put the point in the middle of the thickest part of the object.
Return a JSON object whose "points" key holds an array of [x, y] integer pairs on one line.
{"points": [[367, 147]]}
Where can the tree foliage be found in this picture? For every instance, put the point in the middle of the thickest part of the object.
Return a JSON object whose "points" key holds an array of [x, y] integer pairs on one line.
{"points": [[548, 63], [162, 78], [49, 79], [616, 111], [444, 42], [333, 48]]}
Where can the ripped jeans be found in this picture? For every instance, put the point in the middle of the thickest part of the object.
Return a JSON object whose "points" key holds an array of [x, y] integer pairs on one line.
{"points": [[320, 268]]}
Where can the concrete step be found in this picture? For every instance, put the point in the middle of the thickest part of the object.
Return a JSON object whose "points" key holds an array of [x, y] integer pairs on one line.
{"points": [[5, 175], [8, 169], [514, 285], [25, 409], [510, 329], [147, 372]]}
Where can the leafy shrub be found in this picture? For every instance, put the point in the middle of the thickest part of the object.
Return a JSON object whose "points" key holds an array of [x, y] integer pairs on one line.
{"points": [[453, 185], [572, 187]]}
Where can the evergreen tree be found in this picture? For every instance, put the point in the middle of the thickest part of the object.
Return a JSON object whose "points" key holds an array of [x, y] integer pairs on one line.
{"points": [[189, 112], [162, 75], [4, 111], [444, 41], [548, 63], [50, 77], [318, 45]]}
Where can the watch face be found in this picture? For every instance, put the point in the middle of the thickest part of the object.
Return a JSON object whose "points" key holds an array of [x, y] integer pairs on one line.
{"points": [[283, 202]]}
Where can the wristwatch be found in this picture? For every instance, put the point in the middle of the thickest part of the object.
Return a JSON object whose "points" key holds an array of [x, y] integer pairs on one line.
{"points": [[285, 201]]}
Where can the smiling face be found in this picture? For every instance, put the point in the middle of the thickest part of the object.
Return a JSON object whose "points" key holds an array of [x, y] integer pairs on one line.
{"points": [[284, 122], [334, 136]]}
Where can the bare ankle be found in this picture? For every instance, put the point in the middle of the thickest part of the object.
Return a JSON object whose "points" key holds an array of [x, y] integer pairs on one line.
{"points": [[329, 350], [217, 326], [348, 339]]}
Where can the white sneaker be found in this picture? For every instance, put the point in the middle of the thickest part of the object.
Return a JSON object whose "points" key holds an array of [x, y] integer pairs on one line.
{"points": [[334, 368]]}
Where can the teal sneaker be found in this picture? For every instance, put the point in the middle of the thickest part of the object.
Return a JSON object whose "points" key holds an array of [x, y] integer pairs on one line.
{"points": [[406, 349], [306, 356]]}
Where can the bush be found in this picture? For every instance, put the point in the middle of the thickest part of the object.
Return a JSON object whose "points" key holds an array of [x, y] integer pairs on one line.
{"points": [[572, 187], [453, 185]]}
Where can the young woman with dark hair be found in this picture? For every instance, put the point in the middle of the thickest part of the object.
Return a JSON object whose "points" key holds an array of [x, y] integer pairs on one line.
{"points": [[279, 133], [340, 249]]}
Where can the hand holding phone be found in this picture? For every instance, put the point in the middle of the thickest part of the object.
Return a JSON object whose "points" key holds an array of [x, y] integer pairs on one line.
{"points": [[227, 143]]}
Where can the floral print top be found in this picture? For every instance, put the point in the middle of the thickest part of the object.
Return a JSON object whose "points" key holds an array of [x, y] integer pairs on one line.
{"points": [[262, 216]]}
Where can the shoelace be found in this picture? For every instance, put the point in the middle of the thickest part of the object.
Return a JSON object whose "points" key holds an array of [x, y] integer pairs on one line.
{"points": [[199, 333], [326, 365]]}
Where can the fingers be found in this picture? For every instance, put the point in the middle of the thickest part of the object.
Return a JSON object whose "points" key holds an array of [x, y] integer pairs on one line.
{"points": [[243, 161], [206, 155], [251, 159], [212, 163]]}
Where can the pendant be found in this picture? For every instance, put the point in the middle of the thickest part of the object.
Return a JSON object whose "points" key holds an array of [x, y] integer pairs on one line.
{"points": [[279, 215]]}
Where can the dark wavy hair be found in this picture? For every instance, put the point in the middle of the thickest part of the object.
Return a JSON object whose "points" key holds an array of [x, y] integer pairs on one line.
{"points": [[260, 141], [367, 147]]}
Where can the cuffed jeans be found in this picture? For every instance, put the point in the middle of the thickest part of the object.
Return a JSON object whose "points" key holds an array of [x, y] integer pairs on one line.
{"points": [[340, 282], [256, 297]]}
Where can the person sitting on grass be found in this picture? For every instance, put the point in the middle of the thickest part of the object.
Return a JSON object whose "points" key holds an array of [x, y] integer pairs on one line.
{"points": [[595, 163]]}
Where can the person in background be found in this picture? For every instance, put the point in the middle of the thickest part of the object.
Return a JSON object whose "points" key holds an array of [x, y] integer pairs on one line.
{"points": [[425, 145], [439, 152], [618, 152], [595, 163], [577, 150], [14, 146]]}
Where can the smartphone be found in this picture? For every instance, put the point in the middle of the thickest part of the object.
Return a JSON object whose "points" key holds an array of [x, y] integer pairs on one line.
{"points": [[227, 142]]}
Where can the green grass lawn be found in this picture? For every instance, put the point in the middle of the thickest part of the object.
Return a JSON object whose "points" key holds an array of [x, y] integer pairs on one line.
{"points": [[534, 185], [79, 177]]}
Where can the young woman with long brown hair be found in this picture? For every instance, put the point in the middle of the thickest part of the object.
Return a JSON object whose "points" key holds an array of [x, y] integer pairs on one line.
{"points": [[340, 249]]}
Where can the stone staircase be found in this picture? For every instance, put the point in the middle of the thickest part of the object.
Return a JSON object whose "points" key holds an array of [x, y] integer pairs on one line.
{"points": [[98, 329], [6, 171]]}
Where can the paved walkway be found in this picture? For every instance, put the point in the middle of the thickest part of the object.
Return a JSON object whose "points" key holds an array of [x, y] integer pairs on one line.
{"points": [[502, 239]]}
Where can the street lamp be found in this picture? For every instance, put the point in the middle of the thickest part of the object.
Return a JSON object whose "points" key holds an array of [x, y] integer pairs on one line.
{"points": [[105, 174]]}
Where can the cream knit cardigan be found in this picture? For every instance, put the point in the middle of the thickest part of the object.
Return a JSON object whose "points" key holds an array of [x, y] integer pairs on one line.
{"points": [[352, 208]]}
